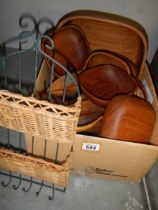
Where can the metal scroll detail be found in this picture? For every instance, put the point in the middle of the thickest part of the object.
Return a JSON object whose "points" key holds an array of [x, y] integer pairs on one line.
{"points": [[27, 41], [38, 27], [13, 52]]}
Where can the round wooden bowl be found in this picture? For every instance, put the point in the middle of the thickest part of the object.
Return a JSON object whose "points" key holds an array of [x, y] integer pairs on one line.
{"points": [[71, 48]]}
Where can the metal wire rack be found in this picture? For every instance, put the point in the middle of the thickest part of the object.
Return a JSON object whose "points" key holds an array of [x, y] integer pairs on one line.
{"points": [[28, 44]]}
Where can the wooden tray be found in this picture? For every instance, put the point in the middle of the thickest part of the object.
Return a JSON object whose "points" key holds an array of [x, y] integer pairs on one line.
{"points": [[102, 82], [107, 57], [111, 32], [128, 118]]}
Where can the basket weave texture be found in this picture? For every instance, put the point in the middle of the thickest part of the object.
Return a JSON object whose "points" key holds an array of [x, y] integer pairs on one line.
{"points": [[38, 118], [35, 167]]}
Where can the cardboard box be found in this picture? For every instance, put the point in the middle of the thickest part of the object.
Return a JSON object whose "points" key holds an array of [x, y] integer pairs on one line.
{"points": [[105, 158], [113, 159], [101, 157]]}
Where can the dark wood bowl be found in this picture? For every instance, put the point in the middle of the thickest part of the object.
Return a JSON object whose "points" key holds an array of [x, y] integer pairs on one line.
{"points": [[71, 48], [108, 57], [101, 83]]}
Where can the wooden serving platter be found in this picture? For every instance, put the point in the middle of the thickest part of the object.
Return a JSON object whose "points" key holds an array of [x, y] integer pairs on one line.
{"points": [[99, 57], [102, 82], [111, 32]]}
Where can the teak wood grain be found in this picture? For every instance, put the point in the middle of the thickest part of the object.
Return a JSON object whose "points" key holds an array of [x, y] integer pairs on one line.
{"points": [[108, 57], [102, 82], [128, 118], [71, 48], [111, 32]]}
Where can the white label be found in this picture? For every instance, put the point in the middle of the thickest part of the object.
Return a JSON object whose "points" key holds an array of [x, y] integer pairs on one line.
{"points": [[91, 147], [147, 89]]}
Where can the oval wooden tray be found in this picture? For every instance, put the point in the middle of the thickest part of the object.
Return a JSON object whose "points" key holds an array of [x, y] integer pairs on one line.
{"points": [[102, 82], [108, 57], [111, 32]]}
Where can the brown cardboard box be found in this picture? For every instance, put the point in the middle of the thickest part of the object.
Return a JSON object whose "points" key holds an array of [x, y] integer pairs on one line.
{"points": [[100, 157], [105, 158], [113, 159]]}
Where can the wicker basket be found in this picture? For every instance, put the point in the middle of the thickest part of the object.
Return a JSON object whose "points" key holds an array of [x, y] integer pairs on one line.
{"points": [[38, 118], [35, 167]]}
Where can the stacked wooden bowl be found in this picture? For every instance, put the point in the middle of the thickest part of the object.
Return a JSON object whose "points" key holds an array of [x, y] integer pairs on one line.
{"points": [[106, 67]]}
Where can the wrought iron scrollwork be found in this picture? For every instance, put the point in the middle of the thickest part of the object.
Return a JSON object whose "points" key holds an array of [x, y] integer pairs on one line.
{"points": [[8, 183], [26, 20]]}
